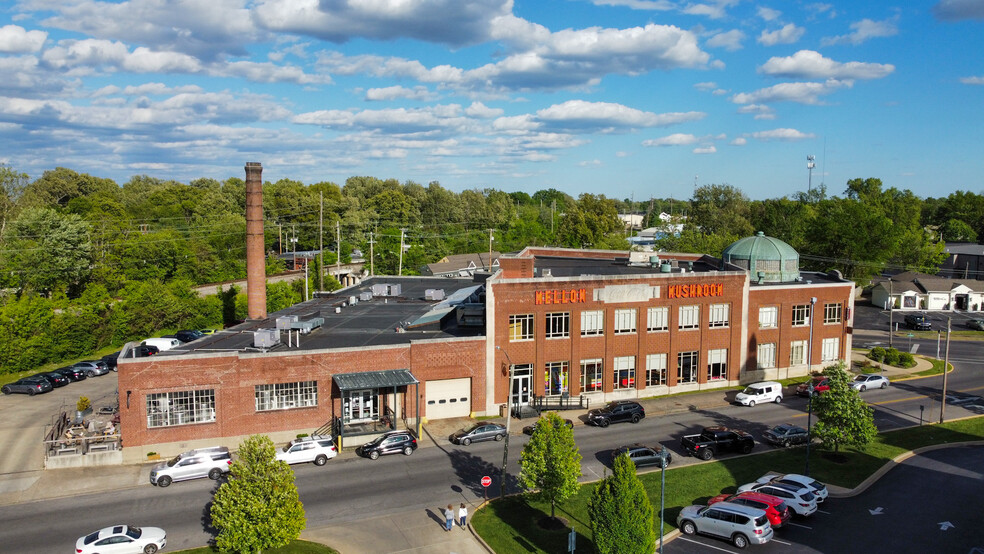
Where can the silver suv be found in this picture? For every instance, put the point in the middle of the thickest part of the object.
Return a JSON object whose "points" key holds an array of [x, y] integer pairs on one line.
{"points": [[742, 525], [209, 462], [315, 448]]}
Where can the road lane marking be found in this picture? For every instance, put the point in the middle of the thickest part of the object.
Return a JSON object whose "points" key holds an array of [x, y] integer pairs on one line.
{"points": [[799, 525], [705, 545], [774, 539]]}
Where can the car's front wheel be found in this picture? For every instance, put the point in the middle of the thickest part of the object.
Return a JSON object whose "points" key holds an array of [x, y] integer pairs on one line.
{"points": [[785, 444], [747, 448], [163, 481], [739, 540], [214, 473], [603, 423], [150, 549], [751, 403], [374, 455], [30, 392], [5, 390], [500, 437], [407, 451], [91, 374], [465, 441], [688, 528], [863, 388], [321, 460]]}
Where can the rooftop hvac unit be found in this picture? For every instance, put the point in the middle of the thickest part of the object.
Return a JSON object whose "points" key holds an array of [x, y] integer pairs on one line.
{"points": [[308, 325], [547, 272], [353, 300], [284, 322], [434, 294], [365, 296], [266, 338], [386, 289]]}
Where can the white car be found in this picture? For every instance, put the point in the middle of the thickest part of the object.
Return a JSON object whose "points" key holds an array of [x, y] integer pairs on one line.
{"points": [[760, 393], [121, 539], [315, 448], [799, 498], [869, 381], [816, 487]]}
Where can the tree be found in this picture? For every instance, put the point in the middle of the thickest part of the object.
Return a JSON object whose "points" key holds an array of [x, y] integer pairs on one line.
{"points": [[621, 514], [842, 417], [551, 462], [720, 209], [49, 251], [258, 507]]}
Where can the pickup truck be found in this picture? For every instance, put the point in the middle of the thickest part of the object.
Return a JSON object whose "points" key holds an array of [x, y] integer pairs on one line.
{"points": [[713, 440]]}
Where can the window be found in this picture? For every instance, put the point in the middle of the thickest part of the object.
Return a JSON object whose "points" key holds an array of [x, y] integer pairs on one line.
{"points": [[797, 352], [592, 323], [657, 319], [689, 317], [625, 321], [558, 325], [831, 313], [801, 315], [591, 375], [768, 317], [624, 372], [556, 378], [719, 315], [830, 350], [521, 327], [655, 370], [283, 396], [687, 367], [766, 355], [180, 408], [717, 364]]}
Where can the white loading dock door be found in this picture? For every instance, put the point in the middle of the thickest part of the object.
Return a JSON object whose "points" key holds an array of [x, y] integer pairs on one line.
{"points": [[448, 398]]}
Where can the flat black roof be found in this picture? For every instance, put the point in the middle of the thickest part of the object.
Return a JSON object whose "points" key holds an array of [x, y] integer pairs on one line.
{"points": [[363, 323], [564, 266]]}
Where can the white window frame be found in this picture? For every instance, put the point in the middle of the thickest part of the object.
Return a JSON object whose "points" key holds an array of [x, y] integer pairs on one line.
{"points": [[655, 370], [563, 371], [170, 409], [832, 313], [768, 317], [766, 357], [592, 375], [717, 364], [625, 321], [689, 317], [592, 323], [658, 319], [521, 327], [797, 347], [557, 325], [692, 359], [719, 314], [285, 396], [623, 369], [801, 315], [830, 350]]}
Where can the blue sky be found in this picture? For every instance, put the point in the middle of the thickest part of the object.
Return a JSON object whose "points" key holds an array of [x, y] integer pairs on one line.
{"points": [[627, 98]]}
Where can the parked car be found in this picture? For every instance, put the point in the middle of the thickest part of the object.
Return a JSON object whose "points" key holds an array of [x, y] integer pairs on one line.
{"points": [[122, 539], [144, 350], [112, 359], [794, 479], [162, 343], [713, 440], [757, 393], [918, 322], [207, 331], [785, 435], [799, 498], [867, 381], [72, 372], [976, 324], [28, 385], [315, 448], [93, 368], [209, 462], [742, 525], [820, 385], [532, 427], [642, 455], [393, 442], [188, 335], [774, 507], [477, 433], [56, 379], [617, 411]]}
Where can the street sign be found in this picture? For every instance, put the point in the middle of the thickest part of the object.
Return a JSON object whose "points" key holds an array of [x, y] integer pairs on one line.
{"points": [[486, 481], [571, 540]]}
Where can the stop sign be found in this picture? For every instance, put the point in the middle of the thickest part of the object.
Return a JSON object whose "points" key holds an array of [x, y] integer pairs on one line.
{"points": [[486, 481]]}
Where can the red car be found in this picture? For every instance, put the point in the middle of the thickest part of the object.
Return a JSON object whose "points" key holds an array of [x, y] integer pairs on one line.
{"points": [[775, 508], [820, 385]]}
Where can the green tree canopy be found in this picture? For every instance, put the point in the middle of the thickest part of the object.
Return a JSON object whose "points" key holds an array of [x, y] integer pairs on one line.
{"points": [[843, 418], [551, 462], [621, 513], [48, 251], [258, 507]]}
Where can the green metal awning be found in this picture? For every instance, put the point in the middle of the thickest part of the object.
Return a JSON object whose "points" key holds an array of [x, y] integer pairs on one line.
{"points": [[375, 379]]}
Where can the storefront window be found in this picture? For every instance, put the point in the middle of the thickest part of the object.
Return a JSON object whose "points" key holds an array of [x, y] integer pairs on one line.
{"points": [[556, 378]]}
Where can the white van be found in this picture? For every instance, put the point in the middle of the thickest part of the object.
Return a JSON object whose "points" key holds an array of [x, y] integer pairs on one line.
{"points": [[757, 393], [162, 344]]}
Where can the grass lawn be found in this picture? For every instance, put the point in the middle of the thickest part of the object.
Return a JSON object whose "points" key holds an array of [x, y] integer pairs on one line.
{"points": [[510, 525], [296, 547]]}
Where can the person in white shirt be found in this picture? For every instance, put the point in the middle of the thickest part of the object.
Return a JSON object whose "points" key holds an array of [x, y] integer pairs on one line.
{"points": [[462, 515]]}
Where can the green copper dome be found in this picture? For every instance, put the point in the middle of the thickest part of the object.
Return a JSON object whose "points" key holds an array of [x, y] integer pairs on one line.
{"points": [[767, 259]]}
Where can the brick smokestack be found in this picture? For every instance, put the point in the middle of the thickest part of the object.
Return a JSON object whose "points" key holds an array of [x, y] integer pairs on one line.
{"points": [[255, 248]]}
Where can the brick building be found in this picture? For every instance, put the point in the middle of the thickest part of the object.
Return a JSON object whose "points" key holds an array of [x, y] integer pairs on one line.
{"points": [[571, 324]]}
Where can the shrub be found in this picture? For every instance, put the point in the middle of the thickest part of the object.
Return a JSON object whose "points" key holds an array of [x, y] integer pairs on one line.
{"points": [[83, 404], [906, 360], [892, 357], [877, 354]]}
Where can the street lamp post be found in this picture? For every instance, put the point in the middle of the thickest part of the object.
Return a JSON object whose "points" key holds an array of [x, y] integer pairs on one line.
{"points": [[809, 409], [662, 503], [891, 311], [505, 445]]}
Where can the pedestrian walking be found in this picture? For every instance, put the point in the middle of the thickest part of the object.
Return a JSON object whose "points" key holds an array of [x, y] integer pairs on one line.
{"points": [[462, 515], [448, 518]]}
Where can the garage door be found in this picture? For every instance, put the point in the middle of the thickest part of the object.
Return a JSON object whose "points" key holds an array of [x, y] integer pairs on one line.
{"points": [[448, 398]]}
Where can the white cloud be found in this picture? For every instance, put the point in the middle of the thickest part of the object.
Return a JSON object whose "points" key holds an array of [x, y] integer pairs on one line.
{"points": [[720, 92], [761, 111], [863, 30], [654, 5], [768, 14], [706, 85], [18, 40], [709, 149], [481, 111], [784, 135], [802, 93], [959, 10], [715, 9], [398, 92], [676, 139], [589, 163], [608, 116], [267, 72], [740, 141], [789, 34], [808, 64], [972, 80], [730, 40]]}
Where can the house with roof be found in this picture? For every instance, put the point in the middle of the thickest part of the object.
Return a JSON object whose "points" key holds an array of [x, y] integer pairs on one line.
{"points": [[920, 291], [462, 265]]}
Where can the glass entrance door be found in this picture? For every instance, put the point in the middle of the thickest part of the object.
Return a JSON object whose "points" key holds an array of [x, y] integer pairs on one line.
{"points": [[361, 406], [522, 385]]}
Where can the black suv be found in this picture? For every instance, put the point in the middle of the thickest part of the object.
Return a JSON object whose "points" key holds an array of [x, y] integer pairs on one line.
{"points": [[393, 442], [187, 335], [615, 412], [918, 322]]}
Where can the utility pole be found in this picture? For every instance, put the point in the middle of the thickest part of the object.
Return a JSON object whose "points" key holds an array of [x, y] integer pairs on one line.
{"points": [[402, 235], [293, 240], [338, 242], [372, 267], [280, 238], [946, 364], [490, 249], [321, 241], [553, 206]]}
